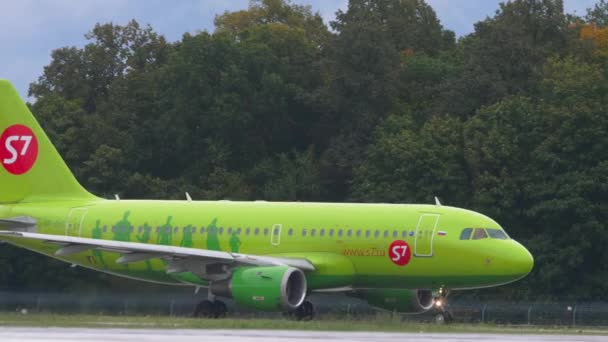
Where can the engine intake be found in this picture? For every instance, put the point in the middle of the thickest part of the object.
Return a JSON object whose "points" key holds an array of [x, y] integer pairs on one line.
{"points": [[272, 288]]}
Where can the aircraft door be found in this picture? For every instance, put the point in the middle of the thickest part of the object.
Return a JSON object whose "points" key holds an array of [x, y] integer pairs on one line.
{"points": [[73, 225], [275, 235], [425, 234]]}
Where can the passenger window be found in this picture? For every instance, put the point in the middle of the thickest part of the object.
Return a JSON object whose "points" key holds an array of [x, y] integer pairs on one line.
{"points": [[221, 230], [265, 231], [367, 233], [229, 231], [202, 230], [497, 234], [312, 232], [193, 230], [349, 233], [395, 234], [479, 234], [331, 232], [404, 234], [340, 233], [290, 232], [377, 233], [359, 233], [322, 232], [466, 234], [247, 231], [386, 233], [257, 231]]}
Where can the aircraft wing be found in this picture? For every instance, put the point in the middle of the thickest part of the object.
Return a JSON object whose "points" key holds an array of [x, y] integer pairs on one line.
{"points": [[202, 262]]}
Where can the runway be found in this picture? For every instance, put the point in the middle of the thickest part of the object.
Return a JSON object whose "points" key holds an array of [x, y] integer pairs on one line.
{"points": [[26, 334]]}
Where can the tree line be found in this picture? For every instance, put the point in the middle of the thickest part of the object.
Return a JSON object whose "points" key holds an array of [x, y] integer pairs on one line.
{"points": [[382, 105]]}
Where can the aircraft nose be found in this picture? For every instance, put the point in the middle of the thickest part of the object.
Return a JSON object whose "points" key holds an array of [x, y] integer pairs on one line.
{"points": [[521, 260]]}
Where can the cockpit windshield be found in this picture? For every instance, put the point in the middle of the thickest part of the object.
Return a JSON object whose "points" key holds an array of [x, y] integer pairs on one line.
{"points": [[483, 233], [479, 234], [497, 234]]}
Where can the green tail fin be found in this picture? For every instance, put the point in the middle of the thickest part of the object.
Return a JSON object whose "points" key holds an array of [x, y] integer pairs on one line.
{"points": [[30, 168]]}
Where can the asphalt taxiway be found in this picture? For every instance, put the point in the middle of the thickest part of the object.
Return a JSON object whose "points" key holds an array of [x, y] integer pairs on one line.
{"points": [[27, 334]]}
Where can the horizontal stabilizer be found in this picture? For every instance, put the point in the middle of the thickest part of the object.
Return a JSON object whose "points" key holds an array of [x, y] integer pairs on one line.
{"points": [[19, 223]]}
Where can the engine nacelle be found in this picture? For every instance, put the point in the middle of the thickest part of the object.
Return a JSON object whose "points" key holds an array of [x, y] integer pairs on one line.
{"points": [[272, 288], [399, 300]]}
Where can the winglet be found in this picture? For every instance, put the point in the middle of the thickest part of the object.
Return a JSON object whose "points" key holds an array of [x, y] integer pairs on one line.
{"points": [[437, 201], [188, 197]]}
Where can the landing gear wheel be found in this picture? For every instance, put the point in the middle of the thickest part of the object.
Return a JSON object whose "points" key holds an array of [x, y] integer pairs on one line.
{"points": [[305, 312], [204, 309], [444, 317], [219, 309]]}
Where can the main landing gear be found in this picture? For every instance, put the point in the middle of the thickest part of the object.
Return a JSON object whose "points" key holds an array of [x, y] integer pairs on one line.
{"points": [[210, 309], [304, 312], [440, 303]]}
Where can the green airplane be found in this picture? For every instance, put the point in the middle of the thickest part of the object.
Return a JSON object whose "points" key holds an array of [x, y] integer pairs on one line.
{"points": [[264, 255]]}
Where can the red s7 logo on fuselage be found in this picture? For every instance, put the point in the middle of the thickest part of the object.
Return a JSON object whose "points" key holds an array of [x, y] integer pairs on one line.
{"points": [[399, 252], [18, 149]]}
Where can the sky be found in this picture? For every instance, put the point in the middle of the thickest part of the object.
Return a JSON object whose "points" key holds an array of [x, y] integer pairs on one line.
{"points": [[31, 29]]}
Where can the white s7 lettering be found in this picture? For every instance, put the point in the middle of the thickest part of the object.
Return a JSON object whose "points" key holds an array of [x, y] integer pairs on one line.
{"points": [[27, 139], [397, 256]]}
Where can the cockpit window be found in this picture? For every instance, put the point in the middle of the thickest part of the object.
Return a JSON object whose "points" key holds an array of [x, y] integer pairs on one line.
{"points": [[497, 234], [466, 234], [479, 234]]}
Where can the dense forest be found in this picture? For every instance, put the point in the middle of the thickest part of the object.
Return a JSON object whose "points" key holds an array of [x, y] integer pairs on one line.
{"points": [[383, 104]]}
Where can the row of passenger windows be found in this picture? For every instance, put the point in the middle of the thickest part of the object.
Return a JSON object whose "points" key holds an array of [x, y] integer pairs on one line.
{"points": [[312, 232], [483, 233]]}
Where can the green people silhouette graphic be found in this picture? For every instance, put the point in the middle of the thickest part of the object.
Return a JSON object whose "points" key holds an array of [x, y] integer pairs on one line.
{"points": [[187, 237], [122, 229], [213, 241], [165, 234], [235, 242], [144, 237], [98, 234]]}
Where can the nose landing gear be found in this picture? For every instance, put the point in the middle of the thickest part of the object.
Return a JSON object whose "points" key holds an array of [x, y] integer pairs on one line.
{"points": [[440, 303]]}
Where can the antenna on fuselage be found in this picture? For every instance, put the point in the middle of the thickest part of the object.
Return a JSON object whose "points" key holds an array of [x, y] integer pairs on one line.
{"points": [[116, 197], [188, 197], [437, 201]]}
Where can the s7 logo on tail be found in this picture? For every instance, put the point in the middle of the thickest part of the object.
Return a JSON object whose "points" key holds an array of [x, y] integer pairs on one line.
{"points": [[18, 149]]}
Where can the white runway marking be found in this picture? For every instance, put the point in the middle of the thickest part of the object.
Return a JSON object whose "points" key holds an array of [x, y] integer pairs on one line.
{"points": [[24, 334]]}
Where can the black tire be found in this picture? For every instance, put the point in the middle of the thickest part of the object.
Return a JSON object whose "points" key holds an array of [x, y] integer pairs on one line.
{"points": [[219, 309], [444, 317], [204, 309], [305, 312], [440, 319]]}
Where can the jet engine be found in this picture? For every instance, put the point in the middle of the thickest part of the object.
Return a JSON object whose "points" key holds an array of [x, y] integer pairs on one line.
{"points": [[272, 288]]}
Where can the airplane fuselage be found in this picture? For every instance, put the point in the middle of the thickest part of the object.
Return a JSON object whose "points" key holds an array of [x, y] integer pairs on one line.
{"points": [[351, 245]]}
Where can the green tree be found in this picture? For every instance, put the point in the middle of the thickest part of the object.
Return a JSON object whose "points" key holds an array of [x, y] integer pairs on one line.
{"points": [[408, 165]]}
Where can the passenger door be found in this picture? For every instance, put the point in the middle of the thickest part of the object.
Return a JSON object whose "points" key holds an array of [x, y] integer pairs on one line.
{"points": [[425, 234], [275, 235], [73, 224]]}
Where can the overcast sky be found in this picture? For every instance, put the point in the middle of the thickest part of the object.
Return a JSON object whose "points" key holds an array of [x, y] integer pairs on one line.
{"points": [[31, 29]]}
